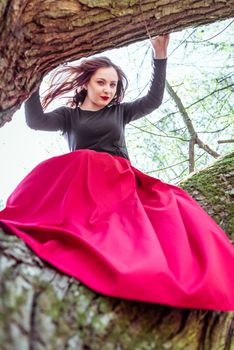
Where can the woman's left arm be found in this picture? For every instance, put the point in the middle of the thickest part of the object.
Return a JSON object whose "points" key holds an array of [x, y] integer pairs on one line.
{"points": [[153, 99]]}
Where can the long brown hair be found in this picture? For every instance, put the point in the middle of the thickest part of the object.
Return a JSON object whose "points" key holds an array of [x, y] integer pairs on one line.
{"points": [[74, 77]]}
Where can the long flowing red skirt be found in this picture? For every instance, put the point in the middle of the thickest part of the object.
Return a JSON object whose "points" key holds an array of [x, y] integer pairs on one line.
{"points": [[122, 233]]}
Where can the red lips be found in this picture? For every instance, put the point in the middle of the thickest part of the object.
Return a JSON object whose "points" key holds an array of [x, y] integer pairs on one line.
{"points": [[105, 98]]}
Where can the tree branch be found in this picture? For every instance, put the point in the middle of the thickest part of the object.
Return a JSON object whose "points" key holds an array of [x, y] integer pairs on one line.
{"points": [[210, 94], [194, 139]]}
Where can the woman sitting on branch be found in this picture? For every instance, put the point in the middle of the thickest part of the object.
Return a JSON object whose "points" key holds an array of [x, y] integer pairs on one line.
{"points": [[95, 217]]}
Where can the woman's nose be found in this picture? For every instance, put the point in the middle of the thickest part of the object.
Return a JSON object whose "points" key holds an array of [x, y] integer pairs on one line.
{"points": [[106, 89]]}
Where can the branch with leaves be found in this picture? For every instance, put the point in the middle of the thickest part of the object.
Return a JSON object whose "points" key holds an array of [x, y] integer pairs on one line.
{"points": [[194, 138]]}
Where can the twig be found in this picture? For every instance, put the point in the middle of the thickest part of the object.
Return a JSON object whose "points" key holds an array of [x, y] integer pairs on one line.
{"points": [[212, 37], [213, 92], [159, 135], [225, 141], [167, 167], [143, 17]]}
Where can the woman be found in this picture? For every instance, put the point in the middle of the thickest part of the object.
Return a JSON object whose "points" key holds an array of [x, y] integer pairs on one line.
{"points": [[92, 215]]}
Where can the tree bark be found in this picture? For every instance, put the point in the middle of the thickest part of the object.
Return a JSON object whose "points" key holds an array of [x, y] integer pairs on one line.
{"points": [[42, 309], [38, 35]]}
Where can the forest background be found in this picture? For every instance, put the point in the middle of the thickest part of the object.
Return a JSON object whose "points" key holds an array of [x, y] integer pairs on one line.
{"points": [[194, 124]]}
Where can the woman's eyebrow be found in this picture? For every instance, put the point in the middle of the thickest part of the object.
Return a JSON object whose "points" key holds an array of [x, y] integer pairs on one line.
{"points": [[112, 81]]}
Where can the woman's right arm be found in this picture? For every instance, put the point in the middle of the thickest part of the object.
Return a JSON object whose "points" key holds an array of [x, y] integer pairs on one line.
{"points": [[38, 120]]}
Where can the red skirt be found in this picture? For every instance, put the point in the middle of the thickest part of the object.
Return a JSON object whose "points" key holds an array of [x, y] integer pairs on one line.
{"points": [[121, 232]]}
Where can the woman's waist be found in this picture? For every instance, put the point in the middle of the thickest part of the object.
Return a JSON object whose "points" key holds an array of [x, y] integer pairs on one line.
{"points": [[111, 150]]}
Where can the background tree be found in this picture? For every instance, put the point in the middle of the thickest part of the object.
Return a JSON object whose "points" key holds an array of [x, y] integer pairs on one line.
{"points": [[200, 76]]}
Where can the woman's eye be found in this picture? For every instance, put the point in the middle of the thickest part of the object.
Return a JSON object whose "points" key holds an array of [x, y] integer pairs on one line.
{"points": [[113, 85], [100, 82]]}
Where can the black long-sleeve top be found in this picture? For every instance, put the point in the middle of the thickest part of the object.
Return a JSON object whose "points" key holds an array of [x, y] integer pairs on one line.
{"points": [[101, 130]]}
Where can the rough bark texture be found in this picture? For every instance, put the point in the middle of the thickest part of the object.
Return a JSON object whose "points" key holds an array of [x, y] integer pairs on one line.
{"points": [[38, 35], [42, 309]]}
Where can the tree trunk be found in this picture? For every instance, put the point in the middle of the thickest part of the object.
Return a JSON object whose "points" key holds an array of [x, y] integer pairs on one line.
{"points": [[38, 35], [42, 309]]}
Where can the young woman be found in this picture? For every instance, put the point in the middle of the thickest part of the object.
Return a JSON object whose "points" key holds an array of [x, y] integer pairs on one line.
{"points": [[94, 216]]}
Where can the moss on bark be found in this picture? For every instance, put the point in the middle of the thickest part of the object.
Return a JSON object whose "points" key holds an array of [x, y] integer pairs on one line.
{"points": [[213, 189]]}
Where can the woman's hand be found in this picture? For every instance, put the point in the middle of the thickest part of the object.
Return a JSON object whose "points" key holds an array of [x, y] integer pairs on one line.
{"points": [[159, 44]]}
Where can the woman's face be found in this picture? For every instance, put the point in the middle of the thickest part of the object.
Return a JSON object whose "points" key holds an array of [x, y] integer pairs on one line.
{"points": [[101, 89]]}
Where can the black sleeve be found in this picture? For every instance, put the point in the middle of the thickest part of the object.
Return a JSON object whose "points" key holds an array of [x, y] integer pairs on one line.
{"points": [[145, 105], [38, 120]]}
